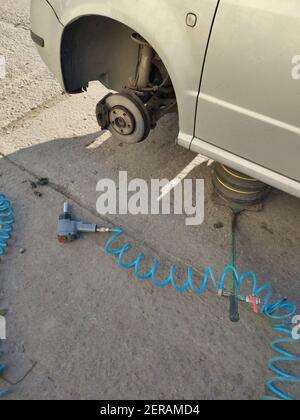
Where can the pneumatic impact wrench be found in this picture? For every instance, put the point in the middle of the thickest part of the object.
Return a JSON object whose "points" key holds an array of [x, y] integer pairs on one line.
{"points": [[69, 229]]}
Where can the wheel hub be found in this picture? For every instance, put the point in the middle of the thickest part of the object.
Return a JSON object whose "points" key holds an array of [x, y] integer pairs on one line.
{"points": [[122, 120]]}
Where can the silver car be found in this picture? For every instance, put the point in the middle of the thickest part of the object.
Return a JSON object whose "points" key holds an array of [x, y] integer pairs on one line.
{"points": [[230, 67]]}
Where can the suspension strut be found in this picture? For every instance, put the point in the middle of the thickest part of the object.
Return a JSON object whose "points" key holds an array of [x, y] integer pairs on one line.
{"points": [[145, 62]]}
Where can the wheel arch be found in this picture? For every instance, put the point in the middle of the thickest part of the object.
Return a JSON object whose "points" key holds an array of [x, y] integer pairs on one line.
{"points": [[98, 47]]}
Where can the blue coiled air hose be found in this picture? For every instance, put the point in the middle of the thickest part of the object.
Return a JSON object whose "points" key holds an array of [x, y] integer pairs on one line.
{"points": [[6, 227], [280, 311], [6, 222]]}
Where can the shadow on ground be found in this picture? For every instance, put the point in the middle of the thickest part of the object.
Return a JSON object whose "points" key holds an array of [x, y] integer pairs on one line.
{"points": [[85, 329]]}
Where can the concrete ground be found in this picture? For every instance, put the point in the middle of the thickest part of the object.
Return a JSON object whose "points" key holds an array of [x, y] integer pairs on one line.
{"points": [[79, 327]]}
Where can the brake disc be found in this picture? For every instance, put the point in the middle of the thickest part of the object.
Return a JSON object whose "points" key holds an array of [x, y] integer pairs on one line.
{"points": [[125, 116]]}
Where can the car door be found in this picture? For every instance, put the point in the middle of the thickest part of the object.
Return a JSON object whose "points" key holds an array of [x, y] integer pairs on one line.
{"points": [[250, 92]]}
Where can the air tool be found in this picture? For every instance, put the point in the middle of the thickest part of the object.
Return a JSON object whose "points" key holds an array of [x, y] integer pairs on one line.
{"points": [[69, 229]]}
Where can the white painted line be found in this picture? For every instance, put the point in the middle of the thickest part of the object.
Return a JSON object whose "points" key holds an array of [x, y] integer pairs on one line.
{"points": [[104, 136], [198, 161]]}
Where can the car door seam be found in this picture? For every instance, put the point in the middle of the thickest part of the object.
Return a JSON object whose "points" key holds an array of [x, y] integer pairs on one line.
{"points": [[203, 66]]}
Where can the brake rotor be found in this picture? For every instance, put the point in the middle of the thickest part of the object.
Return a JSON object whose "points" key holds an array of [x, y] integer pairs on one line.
{"points": [[125, 116]]}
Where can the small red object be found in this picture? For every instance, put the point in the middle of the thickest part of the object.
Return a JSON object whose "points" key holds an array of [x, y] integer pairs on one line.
{"points": [[253, 301], [61, 239]]}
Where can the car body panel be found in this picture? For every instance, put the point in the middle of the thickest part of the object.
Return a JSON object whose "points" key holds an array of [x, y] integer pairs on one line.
{"points": [[44, 24], [249, 101]]}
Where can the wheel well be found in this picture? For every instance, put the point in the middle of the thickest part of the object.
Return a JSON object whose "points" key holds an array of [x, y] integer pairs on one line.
{"points": [[97, 48]]}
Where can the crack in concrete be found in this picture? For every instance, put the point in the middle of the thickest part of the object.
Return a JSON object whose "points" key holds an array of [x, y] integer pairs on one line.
{"points": [[5, 379], [24, 26]]}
